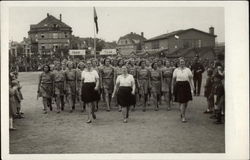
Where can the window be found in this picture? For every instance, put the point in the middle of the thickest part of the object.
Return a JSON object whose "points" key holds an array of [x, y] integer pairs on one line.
{"points": [[55, 35], [43, 47], [42, 35], [155, 45], [65, 34], [199, 43]]}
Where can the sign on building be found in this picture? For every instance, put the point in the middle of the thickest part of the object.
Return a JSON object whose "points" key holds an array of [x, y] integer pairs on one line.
{"points": [[77, 52], [108, 52]]}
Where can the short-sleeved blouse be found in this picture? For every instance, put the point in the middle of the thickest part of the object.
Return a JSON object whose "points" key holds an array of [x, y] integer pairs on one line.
{"points": [[125, 81], [89, 76], [182, 74]]}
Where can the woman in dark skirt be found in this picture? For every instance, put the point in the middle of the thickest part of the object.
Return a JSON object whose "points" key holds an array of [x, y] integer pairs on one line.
{"points": [[89, 89], [183, 82], [125, 84]]}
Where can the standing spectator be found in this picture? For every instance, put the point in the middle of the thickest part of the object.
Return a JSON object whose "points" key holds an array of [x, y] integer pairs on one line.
{"points": [[183, 82], [126, 92], [208, 92], [197, 69]]}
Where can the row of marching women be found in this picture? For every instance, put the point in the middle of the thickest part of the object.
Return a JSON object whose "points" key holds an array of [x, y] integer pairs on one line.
{"points": [[123, 85]]}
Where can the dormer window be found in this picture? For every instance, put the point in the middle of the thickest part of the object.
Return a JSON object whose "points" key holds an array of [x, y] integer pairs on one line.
{"points": [[42, 35]]}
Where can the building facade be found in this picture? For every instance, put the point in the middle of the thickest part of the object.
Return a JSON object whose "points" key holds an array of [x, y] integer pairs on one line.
{"points": [[49, 35], [181, 39], [130, 43]]}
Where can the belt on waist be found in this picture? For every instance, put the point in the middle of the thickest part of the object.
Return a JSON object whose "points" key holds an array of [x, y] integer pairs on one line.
{"points": [[46, 83], [155, 80], [71, 80], [142, 79], [107, 78]]}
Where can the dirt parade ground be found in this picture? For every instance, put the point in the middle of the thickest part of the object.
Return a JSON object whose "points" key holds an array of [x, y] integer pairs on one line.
{"points": [[146, 132]]}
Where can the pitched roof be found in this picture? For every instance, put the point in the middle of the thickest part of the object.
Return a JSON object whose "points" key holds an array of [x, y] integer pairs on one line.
{"points": [[133, 36], [48, 22], [178, 32]]}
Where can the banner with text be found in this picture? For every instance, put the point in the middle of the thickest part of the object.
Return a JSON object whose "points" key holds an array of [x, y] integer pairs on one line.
{"points": [[77, 52], [108, 52]]}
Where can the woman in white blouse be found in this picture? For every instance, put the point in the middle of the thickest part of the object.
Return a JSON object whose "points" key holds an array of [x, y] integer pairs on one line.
{"points": [[89, 89], [125, 84], [183, 82]]}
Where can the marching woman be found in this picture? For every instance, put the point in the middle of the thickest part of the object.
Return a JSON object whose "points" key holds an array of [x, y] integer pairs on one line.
{"points": [[79, 70], [119, 71], [71, 82], [183, 82], [125, 84], [143, 82], [45, 86], [133, 71], [155, 84], [60, 83], [107, 81], [89, 89], [167, 73]]}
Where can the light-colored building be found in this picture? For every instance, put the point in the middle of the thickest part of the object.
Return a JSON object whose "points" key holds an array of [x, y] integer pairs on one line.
{"points": [[50, 35], [130, 43]]}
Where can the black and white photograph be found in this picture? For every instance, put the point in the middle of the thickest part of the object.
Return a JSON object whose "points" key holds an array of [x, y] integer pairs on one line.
{"points": [[103, 80]]}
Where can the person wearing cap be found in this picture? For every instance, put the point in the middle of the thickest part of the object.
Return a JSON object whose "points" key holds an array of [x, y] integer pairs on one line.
{"points": [[89, 89], [197, 69], [46, 86], [59, 86], [71, 83], [125, 90], [183, 87], [107, 81]]}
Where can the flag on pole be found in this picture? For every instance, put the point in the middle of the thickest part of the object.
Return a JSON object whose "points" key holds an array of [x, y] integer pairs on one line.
{"points": [[95, 19]]}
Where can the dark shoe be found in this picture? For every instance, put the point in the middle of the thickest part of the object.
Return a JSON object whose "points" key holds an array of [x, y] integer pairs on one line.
{"points": [[168, 109], [218, 122], [45, 112], [156, 109], [207, 112], [13, 129], [119, 110], [125, 121], [83, 110], [21, 113], [143, 110], [58, 112], [108, 110], [213, 117], [89, 121], [20, 116]]}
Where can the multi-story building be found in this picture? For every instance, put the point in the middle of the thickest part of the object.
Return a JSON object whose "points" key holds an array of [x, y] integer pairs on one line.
{"points": [[130, 43], [181, 41], [49, 35]]}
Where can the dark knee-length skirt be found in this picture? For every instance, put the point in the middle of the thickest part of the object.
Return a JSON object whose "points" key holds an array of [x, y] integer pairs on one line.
{"points": [[125, 97], [89, 94], [182, 92]]}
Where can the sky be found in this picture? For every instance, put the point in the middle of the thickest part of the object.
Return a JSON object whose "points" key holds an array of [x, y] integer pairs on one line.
{"points": [[115, 22]]}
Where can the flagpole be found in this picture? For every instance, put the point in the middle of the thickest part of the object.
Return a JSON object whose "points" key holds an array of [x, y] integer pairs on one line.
{"points": [[94, 37]]}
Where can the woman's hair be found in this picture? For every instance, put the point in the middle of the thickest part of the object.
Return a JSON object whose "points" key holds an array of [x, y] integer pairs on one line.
{"points": [[120, 61], [141, 62], [152, 65], [47, 66], [104, 62], [69, 63]]}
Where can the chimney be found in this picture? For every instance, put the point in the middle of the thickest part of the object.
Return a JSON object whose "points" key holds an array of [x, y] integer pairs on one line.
{"points": [[60, 17], [131, 32], [211, 30], [47, 14], [142, 34]]}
